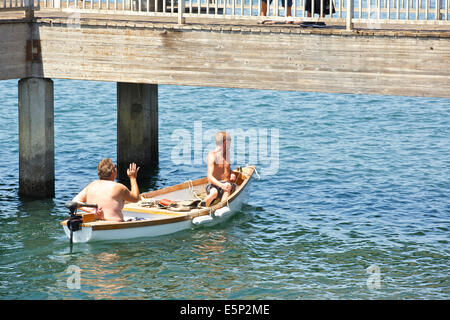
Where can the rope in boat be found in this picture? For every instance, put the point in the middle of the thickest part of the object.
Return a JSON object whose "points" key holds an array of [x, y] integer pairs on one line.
{"points": [[192, 190], [147, 202], [256, 171]]}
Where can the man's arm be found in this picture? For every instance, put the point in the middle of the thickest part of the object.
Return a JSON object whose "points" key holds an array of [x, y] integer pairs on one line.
{"points": [[133, 195], [82, 196]]}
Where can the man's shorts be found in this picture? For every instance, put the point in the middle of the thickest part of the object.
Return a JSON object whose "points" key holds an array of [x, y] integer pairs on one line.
{"points": [[289, 2], [220, 191]]}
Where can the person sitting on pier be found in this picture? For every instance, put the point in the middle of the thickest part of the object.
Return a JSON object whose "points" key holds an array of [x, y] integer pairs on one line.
{"points": [[220, 176], [110, 196]]}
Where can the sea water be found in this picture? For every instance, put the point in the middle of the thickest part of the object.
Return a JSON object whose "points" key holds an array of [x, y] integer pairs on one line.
{"points": [[352, 202]]}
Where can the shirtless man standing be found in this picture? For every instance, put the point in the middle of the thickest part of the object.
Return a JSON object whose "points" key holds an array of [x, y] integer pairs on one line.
{"points": [[110, 196], [220, 177]]}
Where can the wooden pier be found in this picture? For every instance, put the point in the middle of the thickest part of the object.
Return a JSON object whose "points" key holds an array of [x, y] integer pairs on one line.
{"points": [[228, 53], [140, 52]]}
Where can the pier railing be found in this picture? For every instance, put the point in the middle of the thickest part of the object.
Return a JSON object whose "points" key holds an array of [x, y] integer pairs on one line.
{"points": [[15, 5], [20, 5], [371, 12]]}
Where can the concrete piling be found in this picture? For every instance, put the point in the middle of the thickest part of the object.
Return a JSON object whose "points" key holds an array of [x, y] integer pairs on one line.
{"points": [[137, 127], [36, 138]]}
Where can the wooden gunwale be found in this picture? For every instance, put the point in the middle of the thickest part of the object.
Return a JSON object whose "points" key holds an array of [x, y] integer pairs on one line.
{"points": [[112, 225], [155, 211], [177, 187]]}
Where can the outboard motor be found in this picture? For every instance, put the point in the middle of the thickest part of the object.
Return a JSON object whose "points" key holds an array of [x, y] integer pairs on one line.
{"points": [[75, 221]]}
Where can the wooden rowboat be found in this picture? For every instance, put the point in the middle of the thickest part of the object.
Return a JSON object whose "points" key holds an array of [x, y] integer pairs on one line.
{"points": [[149, 218]]}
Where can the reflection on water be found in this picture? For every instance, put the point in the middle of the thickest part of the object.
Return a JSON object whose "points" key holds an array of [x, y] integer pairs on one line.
{"points": [[102, 278], [215, 245], [363, 182]]}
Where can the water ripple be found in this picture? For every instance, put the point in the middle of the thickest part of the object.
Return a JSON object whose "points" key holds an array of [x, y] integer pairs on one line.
{"points": [[362, 181]]}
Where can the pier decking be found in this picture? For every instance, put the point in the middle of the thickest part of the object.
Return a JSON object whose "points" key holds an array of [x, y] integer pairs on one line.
{"points": [[228, 53]]}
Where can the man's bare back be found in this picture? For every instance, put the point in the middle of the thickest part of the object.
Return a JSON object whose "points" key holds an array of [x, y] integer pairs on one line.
{"points": [[110, 196]]}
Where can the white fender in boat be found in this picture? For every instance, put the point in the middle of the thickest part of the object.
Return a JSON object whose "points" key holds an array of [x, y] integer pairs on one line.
{"points": [[202, 220], [222, 212]]}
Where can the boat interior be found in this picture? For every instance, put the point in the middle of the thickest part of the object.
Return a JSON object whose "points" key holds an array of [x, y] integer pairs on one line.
{"points": [[184, 198]]}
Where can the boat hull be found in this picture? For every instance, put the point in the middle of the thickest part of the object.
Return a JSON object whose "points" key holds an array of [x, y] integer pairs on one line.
{"points": [[86, 234]]}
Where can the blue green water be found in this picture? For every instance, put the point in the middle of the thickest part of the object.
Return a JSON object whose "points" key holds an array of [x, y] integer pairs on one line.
{"points": [[362, 181]]}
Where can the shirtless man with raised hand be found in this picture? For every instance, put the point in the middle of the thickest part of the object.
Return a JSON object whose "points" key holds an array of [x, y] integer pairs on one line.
{"points": [[220, 176], [110, 196]]}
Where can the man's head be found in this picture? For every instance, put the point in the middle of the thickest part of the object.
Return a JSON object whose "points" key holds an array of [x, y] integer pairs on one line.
{"points": [[223, 139], [106, 169]]}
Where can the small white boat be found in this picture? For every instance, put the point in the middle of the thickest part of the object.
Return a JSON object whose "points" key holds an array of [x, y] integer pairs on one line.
{"points": [[149, 217]]}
